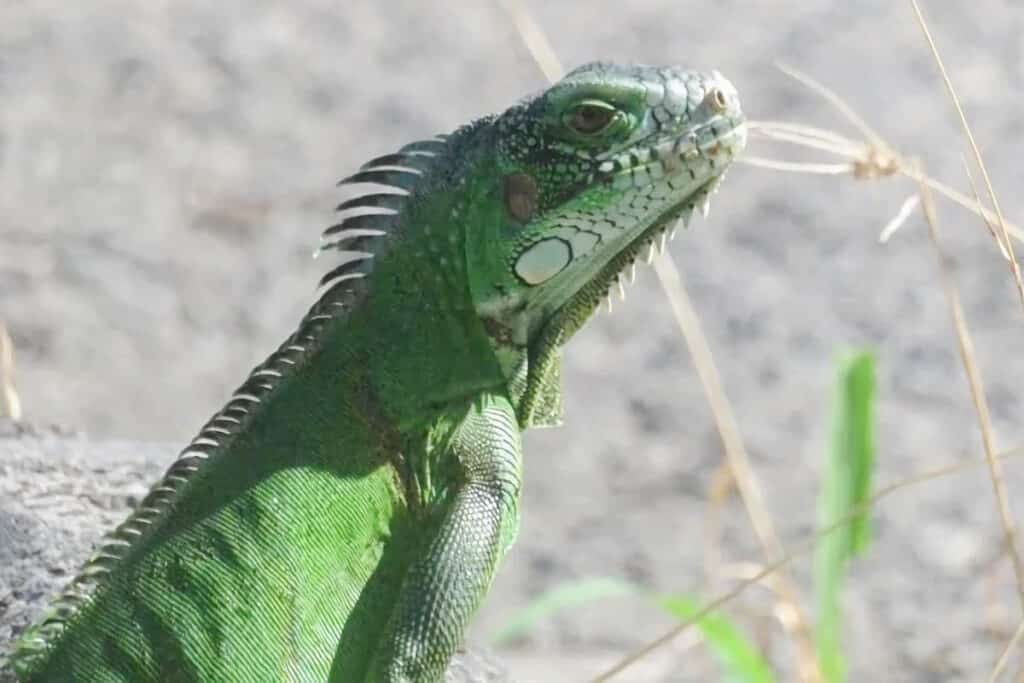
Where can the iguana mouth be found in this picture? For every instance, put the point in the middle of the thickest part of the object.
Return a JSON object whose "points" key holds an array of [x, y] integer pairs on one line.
{"points": [[574, 313], [719, 151], [674, 155], [704, 150]]}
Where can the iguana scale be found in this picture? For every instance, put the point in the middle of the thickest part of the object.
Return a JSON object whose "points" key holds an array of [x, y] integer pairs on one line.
{"points": [[341, 518]]}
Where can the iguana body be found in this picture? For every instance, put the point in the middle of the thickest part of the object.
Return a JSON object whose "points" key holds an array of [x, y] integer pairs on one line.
{"points": [[342, 517]]}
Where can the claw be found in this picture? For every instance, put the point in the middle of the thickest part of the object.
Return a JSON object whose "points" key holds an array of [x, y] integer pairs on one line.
{"points": [[622, 290], [705, 207], [608, 300], [632, 272], [650, 253], [661, 243]]}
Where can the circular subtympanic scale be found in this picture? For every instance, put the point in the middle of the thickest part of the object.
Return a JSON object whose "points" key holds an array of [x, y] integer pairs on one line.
{"points": [[543, 260]]}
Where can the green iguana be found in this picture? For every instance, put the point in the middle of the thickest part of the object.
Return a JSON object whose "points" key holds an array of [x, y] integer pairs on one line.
{"points": [[342, 517]]}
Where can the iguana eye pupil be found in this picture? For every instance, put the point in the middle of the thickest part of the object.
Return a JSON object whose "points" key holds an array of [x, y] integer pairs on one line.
{"points": [[590, 118]]}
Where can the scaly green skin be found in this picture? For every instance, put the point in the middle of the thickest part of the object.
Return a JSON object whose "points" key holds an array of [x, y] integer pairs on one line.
{"points": [[343, 516]]}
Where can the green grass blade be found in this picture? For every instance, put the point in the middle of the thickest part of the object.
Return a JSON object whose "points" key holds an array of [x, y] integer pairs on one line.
{"points": [[846, 483], [740, 660], [558, 599], [858, 417]]}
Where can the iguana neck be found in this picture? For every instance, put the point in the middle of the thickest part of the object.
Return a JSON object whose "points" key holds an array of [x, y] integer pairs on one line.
{"points": [[417, 329]]}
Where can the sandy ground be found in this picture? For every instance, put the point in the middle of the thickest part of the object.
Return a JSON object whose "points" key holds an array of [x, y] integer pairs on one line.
{"points": [[166, 168]]}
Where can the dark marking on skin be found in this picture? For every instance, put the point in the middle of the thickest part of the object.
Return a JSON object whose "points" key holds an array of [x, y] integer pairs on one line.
{"points": [[167, 648], [387, 444], [520, 196], [499, 332], [222, 548], [117, 657], [178, 577], [251, 515]]}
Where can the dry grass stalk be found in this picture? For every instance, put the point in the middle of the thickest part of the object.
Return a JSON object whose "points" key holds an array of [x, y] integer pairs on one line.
{"points": [[1004, 237], [906, 208], [864, 163], [886, 162], [535, 40], [9, 401], [988, 223], [1004, 658], [963, 338], [728, 428], [721, 486], [739, 462], [977, 393], [874, 139], [871, 159], [801, 549]]}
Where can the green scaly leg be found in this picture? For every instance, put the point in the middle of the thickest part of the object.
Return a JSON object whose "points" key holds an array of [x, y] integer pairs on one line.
{"points": [[445, 586]]}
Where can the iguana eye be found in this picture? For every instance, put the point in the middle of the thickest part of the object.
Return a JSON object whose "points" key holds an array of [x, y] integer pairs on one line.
{"points": [[590, 118]]}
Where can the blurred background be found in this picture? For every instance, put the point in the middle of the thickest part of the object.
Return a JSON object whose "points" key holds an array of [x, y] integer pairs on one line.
{"points": [[166, 169]]}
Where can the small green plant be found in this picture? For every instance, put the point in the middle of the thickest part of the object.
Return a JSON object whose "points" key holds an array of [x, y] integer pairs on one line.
{"points": [[739, 659], [846, 485]]}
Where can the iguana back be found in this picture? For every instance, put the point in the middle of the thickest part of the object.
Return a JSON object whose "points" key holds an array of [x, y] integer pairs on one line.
{"points": [[343, 515]]}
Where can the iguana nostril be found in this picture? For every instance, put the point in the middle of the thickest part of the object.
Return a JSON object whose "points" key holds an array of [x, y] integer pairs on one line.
{"points": [[716, 100]]}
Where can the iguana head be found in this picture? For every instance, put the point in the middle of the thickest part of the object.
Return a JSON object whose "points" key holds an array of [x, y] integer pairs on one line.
{"points": [[593, 172], [530, 217]]}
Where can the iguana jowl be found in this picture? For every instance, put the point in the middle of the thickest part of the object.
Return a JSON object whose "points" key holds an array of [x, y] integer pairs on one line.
{"points": [[343, 515]]}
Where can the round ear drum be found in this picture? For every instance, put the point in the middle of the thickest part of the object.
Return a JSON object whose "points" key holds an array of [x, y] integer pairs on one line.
{"points": [[520, 196]]}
